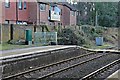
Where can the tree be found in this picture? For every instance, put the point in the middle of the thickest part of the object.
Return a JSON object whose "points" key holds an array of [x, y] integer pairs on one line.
{"points": [[107, 13]]}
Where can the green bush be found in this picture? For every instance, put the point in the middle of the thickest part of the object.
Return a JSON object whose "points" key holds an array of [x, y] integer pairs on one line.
{"points": [[70, 37]]}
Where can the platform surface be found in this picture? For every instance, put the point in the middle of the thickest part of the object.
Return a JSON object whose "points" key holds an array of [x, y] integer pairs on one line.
{"points": [[32, 50]]}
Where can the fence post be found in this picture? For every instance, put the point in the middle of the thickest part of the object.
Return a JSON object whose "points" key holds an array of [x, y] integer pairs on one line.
{"points": [[11, 31], [0, 33], [42, 28], [35, 27], [45, 38], [56, 38]]}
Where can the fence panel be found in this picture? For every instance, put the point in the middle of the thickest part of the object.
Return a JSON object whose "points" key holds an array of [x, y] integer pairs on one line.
{"points": [[45, 38]]}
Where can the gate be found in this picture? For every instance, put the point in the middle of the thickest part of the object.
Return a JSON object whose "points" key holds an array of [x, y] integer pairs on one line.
{"points": [[45, 38]]}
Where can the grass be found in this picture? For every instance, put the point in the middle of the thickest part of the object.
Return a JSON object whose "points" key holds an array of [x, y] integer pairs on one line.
{"points": [[6, 46], [104, 46]]}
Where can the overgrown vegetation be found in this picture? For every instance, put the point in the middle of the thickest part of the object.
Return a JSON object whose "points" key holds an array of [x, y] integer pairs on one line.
{"points": [[86, 36], [70, 36]]}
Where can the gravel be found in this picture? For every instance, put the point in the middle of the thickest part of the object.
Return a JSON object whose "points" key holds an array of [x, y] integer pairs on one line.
{"points": [[77, 72], [55, 68], [82, 70], [38, 60]]}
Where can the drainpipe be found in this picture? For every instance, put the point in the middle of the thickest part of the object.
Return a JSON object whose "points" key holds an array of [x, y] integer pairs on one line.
{"points": [[16, 12]]}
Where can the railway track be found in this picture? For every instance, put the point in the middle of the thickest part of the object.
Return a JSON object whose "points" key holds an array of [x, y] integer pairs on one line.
{"points": [[101, 70], [26, 62], [48, 70]]}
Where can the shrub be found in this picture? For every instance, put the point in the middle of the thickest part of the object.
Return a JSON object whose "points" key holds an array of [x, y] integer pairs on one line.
{"points": [[70, 37]]}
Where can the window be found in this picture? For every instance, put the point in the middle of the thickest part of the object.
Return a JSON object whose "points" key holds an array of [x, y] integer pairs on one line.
{"points": [[42, 7], [56, 9], [20, 4], [61, 11], [6, 21], [25, 5], [73, 13], [7, 3], [19, 22]]}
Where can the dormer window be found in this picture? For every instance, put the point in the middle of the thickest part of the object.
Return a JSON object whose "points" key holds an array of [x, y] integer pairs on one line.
{"points": [[7, 3], [56, 9], [42, 7], [73, 13]]}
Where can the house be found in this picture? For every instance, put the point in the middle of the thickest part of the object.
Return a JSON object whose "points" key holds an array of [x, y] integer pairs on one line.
{"points": [[15, 12], [48, 13]]}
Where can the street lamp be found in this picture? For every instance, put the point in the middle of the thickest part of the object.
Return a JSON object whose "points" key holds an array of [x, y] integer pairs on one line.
{"points": [[96, 15]]}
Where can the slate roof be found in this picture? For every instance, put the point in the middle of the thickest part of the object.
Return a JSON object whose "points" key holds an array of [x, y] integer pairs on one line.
{"points": [[71, 7]]}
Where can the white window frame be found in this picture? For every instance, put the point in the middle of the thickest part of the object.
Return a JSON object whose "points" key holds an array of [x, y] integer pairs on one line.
{"points": [[20, 4], [7, 3], [25, 5], [43, 8], [6, 21]]}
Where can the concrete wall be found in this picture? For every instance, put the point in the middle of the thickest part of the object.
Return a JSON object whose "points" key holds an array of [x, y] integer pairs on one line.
{"points": [[18, 32], [5, 33]]}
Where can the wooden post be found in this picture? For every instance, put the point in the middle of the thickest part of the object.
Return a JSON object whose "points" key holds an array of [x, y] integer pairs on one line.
{"points": [[35, 27], [11, 31], [42, 28]]}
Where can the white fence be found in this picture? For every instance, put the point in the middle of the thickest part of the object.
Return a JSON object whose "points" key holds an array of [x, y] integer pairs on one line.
{"points": [[45, 38]]}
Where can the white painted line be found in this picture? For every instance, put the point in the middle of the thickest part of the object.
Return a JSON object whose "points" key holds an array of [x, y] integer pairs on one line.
{"points": [[36, 51]]}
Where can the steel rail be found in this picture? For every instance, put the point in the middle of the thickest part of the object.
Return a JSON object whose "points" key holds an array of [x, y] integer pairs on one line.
{"points": [[87, 77], [49, 65], [69, 67]]}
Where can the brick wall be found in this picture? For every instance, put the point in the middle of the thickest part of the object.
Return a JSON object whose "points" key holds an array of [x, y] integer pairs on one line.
{"points": [[72, 18], [5, 33], [32, 16], [18, 32], [66, 16]]}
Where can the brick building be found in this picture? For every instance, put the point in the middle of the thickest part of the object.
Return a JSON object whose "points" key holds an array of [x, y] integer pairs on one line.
{"points": [[24, 12]]}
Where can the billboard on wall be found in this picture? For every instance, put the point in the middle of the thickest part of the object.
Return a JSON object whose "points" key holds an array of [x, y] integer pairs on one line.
{"points": [[54, 16]]}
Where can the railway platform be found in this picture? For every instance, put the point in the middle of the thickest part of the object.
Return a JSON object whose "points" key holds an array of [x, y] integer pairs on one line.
{"points": [[32, 50], [102, 50]]}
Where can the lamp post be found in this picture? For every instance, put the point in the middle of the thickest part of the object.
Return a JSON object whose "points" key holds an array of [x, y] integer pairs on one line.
{"points": [[96, 18], [96, 15]]}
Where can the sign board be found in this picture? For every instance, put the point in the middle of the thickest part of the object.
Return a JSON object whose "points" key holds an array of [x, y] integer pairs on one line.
{"points": [[54, 16]]}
